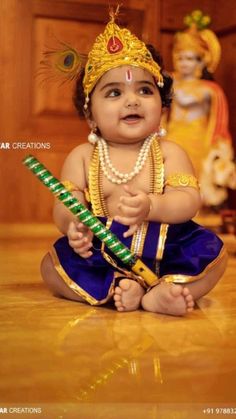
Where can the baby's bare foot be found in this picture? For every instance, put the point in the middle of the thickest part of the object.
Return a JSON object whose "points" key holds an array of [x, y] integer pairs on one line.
{"points": [[168, 299], [128, 295]]}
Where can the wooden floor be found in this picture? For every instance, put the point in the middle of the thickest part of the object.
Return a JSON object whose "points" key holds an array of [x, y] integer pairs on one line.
{"points": [[68, 360]]}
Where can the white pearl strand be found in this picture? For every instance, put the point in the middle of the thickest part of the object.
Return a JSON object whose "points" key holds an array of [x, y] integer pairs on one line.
{"points": [[119, 177]]}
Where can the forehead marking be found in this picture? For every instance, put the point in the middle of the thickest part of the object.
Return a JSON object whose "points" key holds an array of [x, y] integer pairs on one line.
{"points": [[128, 76]]}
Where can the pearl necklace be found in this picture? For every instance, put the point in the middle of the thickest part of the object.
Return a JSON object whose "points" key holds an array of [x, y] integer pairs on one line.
{"points": [[107, 165]]}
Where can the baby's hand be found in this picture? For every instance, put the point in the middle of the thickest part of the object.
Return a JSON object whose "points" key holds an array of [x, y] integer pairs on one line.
{"points": [[80, 239], [134, 210]]}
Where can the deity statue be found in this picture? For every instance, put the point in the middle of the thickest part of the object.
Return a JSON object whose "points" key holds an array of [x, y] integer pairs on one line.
{"points": [[198, 118]]}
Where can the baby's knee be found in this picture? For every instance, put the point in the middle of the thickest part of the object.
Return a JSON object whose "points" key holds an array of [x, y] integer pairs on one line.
{"points": [[46, 267], [220, 266], [54, 282], [49, 274]]}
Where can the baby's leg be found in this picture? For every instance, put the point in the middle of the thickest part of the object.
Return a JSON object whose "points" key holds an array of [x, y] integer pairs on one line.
{"points": [[201, 287], [128, 295], [177, 300], [54, 281]]}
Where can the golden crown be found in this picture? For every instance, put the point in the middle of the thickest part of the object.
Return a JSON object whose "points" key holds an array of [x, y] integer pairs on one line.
{"points": [[200, 39], [116, 47]]}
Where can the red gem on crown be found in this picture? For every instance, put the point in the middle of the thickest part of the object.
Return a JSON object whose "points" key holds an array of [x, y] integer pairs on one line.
{"points": [[114, 45]]}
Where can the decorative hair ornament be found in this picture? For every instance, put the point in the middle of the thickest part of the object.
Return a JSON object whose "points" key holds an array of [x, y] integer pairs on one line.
{"points": [[199, 39], [62, 62]]}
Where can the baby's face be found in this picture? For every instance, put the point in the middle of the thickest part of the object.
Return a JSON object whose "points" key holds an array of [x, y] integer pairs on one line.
{"points": [[126, 105]]}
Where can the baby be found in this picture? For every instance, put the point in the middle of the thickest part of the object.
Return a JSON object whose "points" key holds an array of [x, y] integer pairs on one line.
{"points": [[142, 187]]}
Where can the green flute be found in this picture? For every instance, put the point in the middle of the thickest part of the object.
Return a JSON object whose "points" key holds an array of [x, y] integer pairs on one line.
{"points": [[93, 223]]}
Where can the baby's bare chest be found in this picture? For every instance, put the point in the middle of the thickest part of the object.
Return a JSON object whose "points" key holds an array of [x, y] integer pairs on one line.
{"points": [[124, 163], [112, 192]]}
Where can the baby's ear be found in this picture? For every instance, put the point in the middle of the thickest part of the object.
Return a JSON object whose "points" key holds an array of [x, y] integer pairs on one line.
{"points": [[164, 110]]}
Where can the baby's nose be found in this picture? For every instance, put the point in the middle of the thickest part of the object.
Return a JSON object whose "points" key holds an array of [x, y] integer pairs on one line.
{"points": [[132, 101]]}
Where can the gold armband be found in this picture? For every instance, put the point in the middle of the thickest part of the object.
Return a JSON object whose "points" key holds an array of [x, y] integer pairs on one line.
{"points": [[70, 186], [182, 179]]}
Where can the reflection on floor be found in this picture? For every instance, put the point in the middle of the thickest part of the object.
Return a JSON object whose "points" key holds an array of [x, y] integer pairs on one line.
{"points": [[63, 359]]}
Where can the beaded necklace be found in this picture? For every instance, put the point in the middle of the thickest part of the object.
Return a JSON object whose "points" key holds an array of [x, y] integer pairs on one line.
{"points": [[111, 173]]}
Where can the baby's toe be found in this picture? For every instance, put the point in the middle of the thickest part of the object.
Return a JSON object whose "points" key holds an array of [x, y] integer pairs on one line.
{"points": [[186, 292], [175, 290], [118, 290], [117, 297], [118, 303], [119, 306], [124, 284]]}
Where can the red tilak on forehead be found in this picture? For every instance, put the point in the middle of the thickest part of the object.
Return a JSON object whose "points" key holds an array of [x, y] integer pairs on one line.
{"points": [[128, 76]]}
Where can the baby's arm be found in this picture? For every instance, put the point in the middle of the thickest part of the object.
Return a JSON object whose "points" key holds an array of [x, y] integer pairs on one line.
{"points": [[73, 171], [176, 204], [79, 236]]}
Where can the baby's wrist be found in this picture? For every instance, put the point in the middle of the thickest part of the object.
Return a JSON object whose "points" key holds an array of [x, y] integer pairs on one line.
{"points": [[150, 203]]}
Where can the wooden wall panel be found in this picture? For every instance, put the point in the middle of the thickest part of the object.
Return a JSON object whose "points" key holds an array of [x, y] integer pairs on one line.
{"points": [[173, 11], [223, 13], [226, 74]]}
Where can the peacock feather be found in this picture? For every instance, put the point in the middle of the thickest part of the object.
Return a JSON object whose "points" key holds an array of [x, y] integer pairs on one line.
{"points": [[64, 63]]}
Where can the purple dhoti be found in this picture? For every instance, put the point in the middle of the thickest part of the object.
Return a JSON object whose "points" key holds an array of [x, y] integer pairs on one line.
{"points": [[189, 252]]}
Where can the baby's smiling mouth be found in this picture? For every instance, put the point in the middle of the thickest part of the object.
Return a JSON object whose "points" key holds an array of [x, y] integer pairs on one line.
{"points": [[132, 117]]}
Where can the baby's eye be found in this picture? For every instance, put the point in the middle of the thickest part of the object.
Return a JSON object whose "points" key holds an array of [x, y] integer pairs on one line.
{"points": [[113, 93], [146, 90]]}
